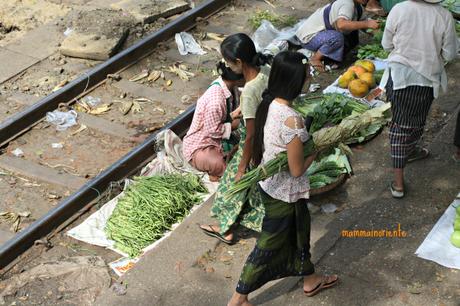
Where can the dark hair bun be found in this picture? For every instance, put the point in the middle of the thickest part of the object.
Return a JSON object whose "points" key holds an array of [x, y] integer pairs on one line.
{"points": [[261, 59], [228, 74]]}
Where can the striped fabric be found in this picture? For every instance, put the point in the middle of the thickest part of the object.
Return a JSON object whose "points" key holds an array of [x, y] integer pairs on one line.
{"points": [[410, 107], [283, 248]]}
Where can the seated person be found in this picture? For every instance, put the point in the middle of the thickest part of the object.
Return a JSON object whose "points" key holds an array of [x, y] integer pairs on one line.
{"points": [[212, 124], [332, 30]]}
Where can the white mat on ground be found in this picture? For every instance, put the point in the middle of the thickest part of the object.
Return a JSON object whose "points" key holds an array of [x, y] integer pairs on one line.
{"points": [[168, 160], [437, 246], [334, 87]]}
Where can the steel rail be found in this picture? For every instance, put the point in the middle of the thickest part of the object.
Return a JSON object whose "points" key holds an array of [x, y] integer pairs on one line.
{"points": [[125, 166]]}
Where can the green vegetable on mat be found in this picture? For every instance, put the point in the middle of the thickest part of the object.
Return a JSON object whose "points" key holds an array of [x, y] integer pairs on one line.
{"points": [[372, 51], [149, 207], [332, 108]]}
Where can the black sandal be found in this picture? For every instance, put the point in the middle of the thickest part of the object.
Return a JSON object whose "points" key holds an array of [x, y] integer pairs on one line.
{"points": [[215, 234]]}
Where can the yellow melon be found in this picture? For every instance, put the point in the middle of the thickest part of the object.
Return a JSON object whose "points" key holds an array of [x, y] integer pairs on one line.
{"points": [[345, 79], [366, 64], [369, 78], [358, 70], [358, 88]]}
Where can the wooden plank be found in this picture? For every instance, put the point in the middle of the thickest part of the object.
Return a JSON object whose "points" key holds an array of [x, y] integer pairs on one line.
{"points": [[106, 126], [40, 173], [93, 122]]}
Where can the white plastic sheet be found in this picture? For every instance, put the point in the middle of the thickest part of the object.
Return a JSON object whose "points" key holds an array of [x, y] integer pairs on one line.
{"points": [[170, 160], [334, 87], [437, 246]]}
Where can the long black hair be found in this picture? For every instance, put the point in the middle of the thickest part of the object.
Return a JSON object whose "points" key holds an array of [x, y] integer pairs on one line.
{"points": [[287, 77], [228, 74], [240, 46]]}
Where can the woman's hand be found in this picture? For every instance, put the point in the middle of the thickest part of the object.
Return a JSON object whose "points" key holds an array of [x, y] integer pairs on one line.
{"points": [[236, 114], [238, 176]]}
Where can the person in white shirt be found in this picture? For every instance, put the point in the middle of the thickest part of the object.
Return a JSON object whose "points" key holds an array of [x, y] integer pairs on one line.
{"points": [[420, 34], [332, 30]]}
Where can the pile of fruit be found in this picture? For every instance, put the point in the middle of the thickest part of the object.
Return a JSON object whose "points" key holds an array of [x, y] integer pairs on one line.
{"points": [[455, 238], [360, 78]]}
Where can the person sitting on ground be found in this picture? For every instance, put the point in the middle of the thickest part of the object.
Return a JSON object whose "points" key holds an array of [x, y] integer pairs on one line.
{"points": [[212, 124], [421, 37], [332, 31], [283, 248]]}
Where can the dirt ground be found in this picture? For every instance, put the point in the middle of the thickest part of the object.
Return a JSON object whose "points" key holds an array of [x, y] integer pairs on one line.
{"points": [[17, 17]]}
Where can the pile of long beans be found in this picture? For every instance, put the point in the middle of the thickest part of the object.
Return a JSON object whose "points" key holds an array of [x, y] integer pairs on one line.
{"points": [[149, 207]]}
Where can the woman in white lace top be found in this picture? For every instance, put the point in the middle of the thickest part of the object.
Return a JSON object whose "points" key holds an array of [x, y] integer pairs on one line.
{"points": [[283, 248]]}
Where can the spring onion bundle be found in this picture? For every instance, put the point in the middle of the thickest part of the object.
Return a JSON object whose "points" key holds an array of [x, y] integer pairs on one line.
{"points": [[149, 207], [323, 139]]}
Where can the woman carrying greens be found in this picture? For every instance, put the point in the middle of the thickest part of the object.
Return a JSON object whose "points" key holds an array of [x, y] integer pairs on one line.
{"points": [[240, 54], [283, 248]]}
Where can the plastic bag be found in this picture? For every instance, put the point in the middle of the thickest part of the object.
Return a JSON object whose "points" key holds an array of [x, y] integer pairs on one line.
{"points": [[62, 120], [187, 44], [269, 39]]}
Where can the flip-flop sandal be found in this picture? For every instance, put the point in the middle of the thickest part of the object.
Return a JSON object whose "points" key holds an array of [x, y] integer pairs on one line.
{"points": [[213, 233], [324, 284], [419, 153], [398, 194]]}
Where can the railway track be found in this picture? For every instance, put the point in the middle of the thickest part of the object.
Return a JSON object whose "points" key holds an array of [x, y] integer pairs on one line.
{"points": [[84, 188]]}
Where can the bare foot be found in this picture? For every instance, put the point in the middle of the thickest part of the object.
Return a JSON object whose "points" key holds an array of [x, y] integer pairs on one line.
{"points": [[318, 65], [239, 300]]}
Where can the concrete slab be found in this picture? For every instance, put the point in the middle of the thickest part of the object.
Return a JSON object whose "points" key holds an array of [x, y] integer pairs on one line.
{"points": [[91, 46], [13, 63], [93, 122], [40, 173], [96, 34], [147, 11], [39, 43]]}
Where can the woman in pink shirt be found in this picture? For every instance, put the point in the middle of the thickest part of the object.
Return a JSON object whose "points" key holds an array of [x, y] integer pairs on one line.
{"points": [[212, 123]]}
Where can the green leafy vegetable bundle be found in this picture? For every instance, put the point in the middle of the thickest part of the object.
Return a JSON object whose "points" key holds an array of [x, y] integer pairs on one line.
{"points": [[326, 171], [331, 108], [149, 207], [375, 49]]}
